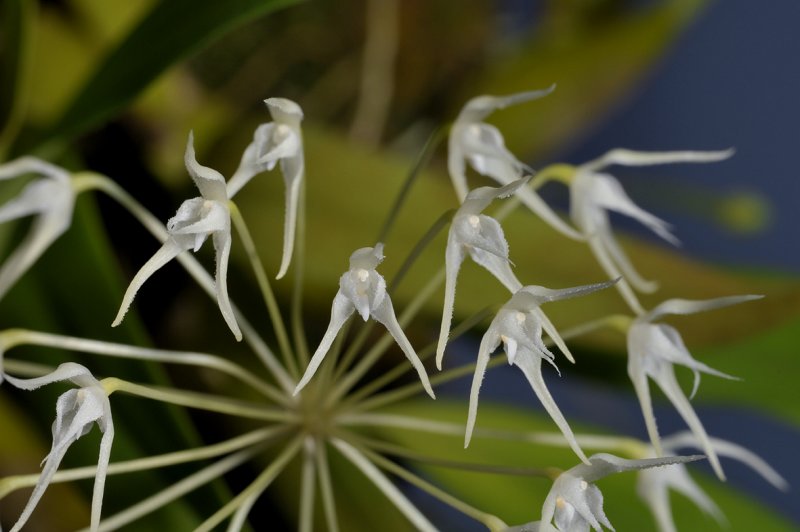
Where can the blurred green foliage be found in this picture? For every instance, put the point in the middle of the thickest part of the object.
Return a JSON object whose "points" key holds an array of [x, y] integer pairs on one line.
{"points": [[76, 76]]}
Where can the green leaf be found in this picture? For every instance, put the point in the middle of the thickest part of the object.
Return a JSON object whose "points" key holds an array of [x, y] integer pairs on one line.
{"points": [[518, 499], [15, 29], [767, 363], [172, 31]]}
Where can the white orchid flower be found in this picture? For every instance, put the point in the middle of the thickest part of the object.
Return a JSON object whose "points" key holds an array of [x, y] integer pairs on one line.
{"points": [[480, 237], [362, 289], [196, 220], [482, 146], [575, 504], [518, 326], [277, 141], [653, 485], [76, 411], [653, 351], [51, 198], [593, 194]]}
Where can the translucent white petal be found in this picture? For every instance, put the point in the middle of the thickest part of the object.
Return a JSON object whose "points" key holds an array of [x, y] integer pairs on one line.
{"points": [[688, 306], [480, 107], [65, 371], [341, 309], [642, 158], [624, 263], [456, 163], [638, 377], [222, 245], [293, 170], [384, 314], [168, 251], [285, 111], [480, 198], [669, 385], [102, 471], [552, 332], [454, 256], [210, 182], [32, 165], [607, 193], [489, 343], [730, 450], [542, 294], [531, 367], [249, 165], [603, 464], [596, 244], [44, 230]]}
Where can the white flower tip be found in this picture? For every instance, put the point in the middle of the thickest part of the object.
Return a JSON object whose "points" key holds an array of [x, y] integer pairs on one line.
{"points": [[284, 110]]}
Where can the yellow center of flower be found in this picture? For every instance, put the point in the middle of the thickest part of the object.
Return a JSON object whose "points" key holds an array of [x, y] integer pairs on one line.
{"points": [[474, 221], [362, 275]]}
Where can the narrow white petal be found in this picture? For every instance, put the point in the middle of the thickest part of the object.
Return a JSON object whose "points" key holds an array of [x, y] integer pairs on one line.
{"points": [[43, 232], [65, 371], [546, 295], [456, 165], [552, 332], [248, 165], [669, 385], [488, 344], [480, 198], [641, 386], [454, 256], [480, 107], [628, 271], [284, 110], [598, 249], [293, 176], [385, 314], [222, 245], [603, 464], [535, 203], [688, 306], [531, 367], [341, 309], [731, 450], [608, 194], [210, 182], [641, 158], [168, 251], [394, 495], [102, 471], [655, 495], [32, 165], [50, 467]]}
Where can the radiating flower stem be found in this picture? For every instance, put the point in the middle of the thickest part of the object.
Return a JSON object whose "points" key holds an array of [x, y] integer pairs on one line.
{"points": [[394, 495], [402, 368], [10, 484], [307, 485], [266, 291], [298, 329], [11, 338], [403, 452], [433, 142], [212, 403], [326, 487], [492, 522], [177, 490], [256, 487]]}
